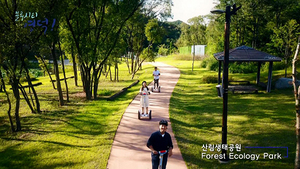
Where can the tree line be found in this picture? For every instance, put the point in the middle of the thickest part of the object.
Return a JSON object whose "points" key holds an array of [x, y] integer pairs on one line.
{"points": [[266, 25]]}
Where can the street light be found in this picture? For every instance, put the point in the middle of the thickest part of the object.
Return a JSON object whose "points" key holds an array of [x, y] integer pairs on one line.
{"points": [[228, 12]]}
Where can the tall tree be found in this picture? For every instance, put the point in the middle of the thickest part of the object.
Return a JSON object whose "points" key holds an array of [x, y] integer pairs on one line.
{"points": [[297, 103], [95, 27], [284, 40]]}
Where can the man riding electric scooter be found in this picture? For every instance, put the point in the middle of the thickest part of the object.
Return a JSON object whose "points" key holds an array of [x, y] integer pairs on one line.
{"points": [[161, 146]]}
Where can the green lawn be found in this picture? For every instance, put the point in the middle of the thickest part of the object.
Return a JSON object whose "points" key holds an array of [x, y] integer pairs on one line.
{"points": [[80, 134], [77, 135], [260, 120]]}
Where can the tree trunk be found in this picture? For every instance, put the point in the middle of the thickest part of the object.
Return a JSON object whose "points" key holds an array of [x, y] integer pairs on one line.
{"points": [[42, 59], [286, 66], [132, 61], [60, 95], [96, 82], [74, 67], [37, 102], [82, 76], [136, 61], [26, 98], [117, 71], [140, 65], [86, 78], [63, 69], [107, 71], [31, 97], [15, 88], [9, 104], [297, 104], [127, 63], [110, 73], [116, 64]]}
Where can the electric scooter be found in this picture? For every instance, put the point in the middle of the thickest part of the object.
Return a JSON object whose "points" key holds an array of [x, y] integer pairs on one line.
{"points": [[156, 89], [161, 157]]}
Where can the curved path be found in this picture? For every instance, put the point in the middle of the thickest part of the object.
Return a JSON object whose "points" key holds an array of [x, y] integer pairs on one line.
{"points": [[129, 147]]}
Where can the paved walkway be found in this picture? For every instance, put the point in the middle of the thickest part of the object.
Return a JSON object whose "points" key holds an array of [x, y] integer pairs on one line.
{"points": [[129, 149]]}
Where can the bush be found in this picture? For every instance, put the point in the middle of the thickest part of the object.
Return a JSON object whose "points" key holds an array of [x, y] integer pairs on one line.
{"points": [[35, 73], [276, 66], [210, 63], [204, 63], [244, 67], [163, 50], [210, 79], [213, 65]]}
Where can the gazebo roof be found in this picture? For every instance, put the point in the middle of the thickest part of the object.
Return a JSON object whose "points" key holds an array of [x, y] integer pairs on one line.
{"points": [[247, 54]]}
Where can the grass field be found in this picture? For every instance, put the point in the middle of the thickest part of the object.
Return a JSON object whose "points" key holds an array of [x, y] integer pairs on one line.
{"points": [[77, 135], [260, 120], [80, 134]]}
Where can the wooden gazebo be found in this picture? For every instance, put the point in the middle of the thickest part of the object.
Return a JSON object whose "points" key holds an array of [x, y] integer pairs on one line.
{"points": [[248, 54]]}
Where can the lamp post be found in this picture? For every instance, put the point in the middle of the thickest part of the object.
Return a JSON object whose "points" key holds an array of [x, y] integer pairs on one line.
{"points": [[228, 12]]}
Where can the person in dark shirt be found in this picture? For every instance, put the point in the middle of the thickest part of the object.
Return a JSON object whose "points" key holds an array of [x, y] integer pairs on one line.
{"points": [[160, 140]]}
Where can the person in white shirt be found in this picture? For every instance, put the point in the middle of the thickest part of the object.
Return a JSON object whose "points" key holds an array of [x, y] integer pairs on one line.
{"points": [[156, 74]]}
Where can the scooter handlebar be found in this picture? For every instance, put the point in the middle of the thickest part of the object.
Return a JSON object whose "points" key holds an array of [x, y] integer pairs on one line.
{"points": [[162, 152]]}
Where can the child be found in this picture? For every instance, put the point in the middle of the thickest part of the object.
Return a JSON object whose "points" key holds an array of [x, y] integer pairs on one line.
{"points": [[144, 102]]}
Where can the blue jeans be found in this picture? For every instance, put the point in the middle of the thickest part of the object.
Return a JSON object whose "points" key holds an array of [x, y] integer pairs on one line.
{"points": [[155, 161]]}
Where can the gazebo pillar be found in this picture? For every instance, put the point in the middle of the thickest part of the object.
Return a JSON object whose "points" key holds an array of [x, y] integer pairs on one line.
{"points": [[219, 74], [270, 77], [258, 73]]}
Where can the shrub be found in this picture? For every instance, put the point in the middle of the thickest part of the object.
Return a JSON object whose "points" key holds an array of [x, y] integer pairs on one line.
{"points": [[210, 79], [163, 50], [276, 66], [204, 62], [35, 73], [244, 67], [213, 65], [210, 63]]}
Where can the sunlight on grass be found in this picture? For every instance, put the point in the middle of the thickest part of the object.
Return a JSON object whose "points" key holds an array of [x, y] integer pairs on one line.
{"points": [[78, 135], [263, 119]]}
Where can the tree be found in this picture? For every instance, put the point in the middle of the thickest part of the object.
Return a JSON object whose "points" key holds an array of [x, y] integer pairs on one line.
{"points": [[297, 103], [193, 33], [95, 27], [154, 34], [134, 31], [284, 40]]}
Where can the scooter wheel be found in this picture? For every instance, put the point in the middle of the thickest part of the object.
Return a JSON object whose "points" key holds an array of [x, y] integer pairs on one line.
{"points": [[151, 89], [139, 115], [150, 114], [159, 89]]}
